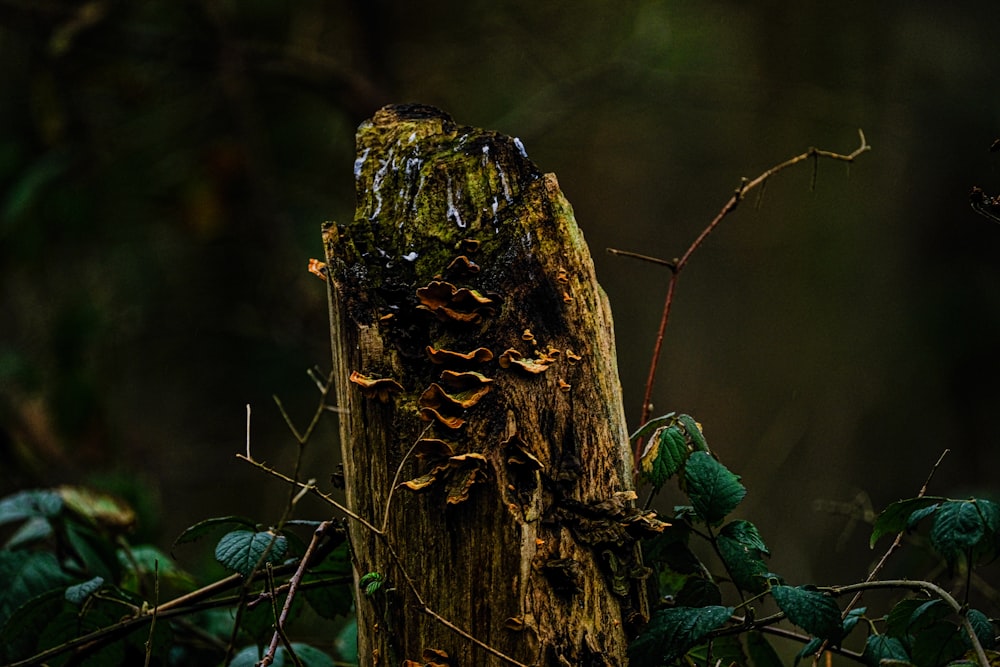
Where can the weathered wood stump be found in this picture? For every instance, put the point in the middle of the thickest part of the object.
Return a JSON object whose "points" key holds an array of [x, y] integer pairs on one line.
{"points": [[481, 389]]}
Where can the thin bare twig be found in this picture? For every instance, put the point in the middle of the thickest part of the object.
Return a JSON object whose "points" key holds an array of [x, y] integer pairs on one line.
{"points": [[293, 586], [678, 265], [399, 469]]}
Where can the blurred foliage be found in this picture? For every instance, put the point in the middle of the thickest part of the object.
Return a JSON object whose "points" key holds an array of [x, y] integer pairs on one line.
{"points": [[165, 166]]}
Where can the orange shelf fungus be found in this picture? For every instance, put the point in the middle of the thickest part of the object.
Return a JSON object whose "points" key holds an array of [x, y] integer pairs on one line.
{"points": [[564, 386], [511, 357], [458, 474], [463, 266], [381, 388], [480, 355], [572, 356], [317, 268], [469, 246], [452, 303]]}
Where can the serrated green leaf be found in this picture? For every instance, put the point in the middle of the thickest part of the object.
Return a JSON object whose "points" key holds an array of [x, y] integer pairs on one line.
{"points": [[811, 648], [202, 528], [79, 593], [695, 435], [937, 644], [740, 544], [242, 550], [897, 621], [983, 627], [883, 647], [672, 631], [895, 517], [19, 631], [746, 534], [958, 527], [762, 654], [663, 456], [811, 610], [714, 491], [646, 429], [27, 574], [927, 614], [851, 620]]}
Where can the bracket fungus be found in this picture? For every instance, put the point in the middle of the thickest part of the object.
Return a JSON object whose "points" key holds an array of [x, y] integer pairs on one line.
{"points": [[458, 474], [381, 388], [480, 355], [512, 357], [458, 304], [467, 389], [462, 266]]}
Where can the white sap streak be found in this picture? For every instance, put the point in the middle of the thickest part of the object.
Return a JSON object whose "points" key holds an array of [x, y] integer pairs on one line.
{"points": [[359, 162], [520, 147], [452, 210]]}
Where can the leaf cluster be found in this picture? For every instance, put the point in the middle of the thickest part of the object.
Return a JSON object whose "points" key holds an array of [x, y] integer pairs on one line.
{"points": [[76, 589], [694, 626]]}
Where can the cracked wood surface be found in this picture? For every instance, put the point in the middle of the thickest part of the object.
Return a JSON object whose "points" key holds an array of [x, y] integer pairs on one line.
{"points": [[465, 313]]}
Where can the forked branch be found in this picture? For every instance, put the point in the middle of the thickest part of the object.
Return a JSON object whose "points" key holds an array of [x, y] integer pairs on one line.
{"points": [[677, 266]]}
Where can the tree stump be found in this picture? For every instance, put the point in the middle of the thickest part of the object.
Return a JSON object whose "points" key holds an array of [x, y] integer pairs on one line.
{"points": [[476, 366]]}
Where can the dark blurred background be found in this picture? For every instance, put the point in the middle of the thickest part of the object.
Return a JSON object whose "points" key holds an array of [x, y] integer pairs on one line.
{"points": [[165, 166]]}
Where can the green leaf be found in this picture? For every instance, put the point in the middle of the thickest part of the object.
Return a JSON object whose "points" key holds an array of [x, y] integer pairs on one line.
{"points": [[308, 655], [19, 632], [743, 550], [663, 456], [958, 527], [725, 651], [897, 621], [672, 631], [694, 433], [895, 518], [746, 534], [762, 654], [346, 642], [94, 553], [79, 593], [811, 610], [698, 592], [145, 560], [713, 490], [202, 528], [27, 574], [242, 550], [937, 644], [883, 647], [30, 504], [336, 597], [646, 429], [853, 616], [33, 530], [983, 627], [927, 613]]}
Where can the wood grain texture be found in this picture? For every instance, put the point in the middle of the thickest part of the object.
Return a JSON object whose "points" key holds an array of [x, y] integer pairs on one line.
{"points": [[464, 300]]}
